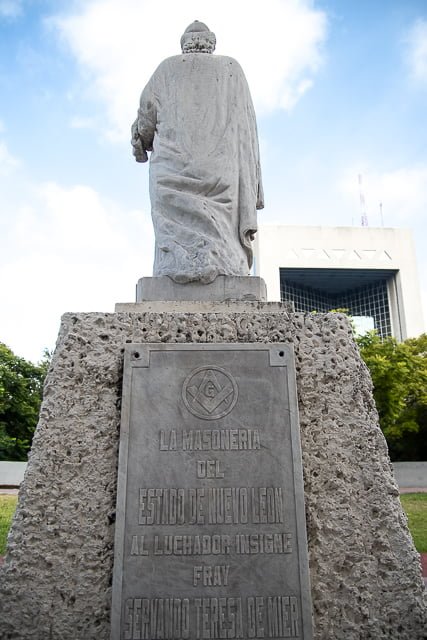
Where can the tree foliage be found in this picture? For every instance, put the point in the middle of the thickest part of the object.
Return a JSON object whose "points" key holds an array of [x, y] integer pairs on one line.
{"points": [[399, 375], [21, 387]]}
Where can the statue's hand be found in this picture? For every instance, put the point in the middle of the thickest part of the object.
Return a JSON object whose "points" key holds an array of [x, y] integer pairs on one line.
{"points": [[139, 152], [138, 148]]}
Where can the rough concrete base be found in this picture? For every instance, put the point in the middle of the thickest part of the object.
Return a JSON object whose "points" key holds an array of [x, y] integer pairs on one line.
{"points": [[221, 289], [365, 572]]}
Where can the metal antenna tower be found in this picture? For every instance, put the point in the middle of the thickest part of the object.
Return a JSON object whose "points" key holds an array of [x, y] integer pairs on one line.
{"points": [[364, 218]]}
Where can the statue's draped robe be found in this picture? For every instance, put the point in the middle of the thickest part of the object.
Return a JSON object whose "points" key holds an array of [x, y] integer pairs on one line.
{"points": [[196, 115]]}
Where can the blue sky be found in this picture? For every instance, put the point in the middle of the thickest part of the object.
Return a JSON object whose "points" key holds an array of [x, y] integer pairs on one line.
{"points": [[339, 86]]}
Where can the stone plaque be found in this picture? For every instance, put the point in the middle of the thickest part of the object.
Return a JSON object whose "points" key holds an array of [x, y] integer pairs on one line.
{"points": [[210, 533]]}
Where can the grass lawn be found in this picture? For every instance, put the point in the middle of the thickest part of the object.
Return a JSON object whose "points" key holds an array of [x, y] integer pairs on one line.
{"points": [[415, 505], [7, 509]]}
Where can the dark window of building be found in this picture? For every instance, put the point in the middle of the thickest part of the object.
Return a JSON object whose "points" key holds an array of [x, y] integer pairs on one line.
{"points": [[338, 290]]}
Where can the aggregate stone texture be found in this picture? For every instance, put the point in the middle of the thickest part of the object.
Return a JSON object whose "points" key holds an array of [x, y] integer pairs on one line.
{"points": [[365, 573]]}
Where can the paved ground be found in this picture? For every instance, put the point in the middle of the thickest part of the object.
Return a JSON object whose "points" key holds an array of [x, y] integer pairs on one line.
{"points": [[413, 490]]}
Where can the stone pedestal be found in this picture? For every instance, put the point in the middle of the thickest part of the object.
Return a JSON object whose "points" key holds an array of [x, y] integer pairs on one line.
{"points": [[365, 573], [223, 288]]}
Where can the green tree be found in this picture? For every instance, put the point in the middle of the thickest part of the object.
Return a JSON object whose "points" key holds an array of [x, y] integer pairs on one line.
{"points": [[21, 387], [399, 375]]}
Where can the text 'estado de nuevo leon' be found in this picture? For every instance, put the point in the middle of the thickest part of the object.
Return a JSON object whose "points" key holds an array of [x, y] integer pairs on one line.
{"points": [[223, 505]]}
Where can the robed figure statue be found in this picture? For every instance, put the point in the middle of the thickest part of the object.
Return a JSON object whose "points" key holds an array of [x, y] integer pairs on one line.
{"points": [[197, 119]]}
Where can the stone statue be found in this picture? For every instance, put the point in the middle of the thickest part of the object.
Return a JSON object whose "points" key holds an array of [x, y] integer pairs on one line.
{"points": [[197, 119]]}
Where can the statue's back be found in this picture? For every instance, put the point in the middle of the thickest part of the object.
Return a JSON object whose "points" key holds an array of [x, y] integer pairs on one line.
{"points": [[197, 118], [199, 98]]}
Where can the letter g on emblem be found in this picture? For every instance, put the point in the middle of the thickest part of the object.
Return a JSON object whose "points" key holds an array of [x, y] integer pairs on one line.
{"points": [[209, 392]]}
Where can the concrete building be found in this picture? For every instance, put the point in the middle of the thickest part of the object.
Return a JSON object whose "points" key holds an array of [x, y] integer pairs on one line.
{"points": [[371, 272]]}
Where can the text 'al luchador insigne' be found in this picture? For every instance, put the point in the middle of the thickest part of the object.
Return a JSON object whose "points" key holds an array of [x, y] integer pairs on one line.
{"points": [[207, 545]]}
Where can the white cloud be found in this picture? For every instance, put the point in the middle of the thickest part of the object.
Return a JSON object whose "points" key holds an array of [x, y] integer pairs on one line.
{"points": [[402, 192], [8, 162], [82, 122], [10, 8], [69, 250], [118, 44], [78, 219], [416, 51]]}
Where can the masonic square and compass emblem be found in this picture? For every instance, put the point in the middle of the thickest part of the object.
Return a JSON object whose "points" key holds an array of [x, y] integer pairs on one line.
{"points": [[209, 392]]}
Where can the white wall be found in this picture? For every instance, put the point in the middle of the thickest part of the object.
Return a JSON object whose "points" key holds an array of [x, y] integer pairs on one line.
{"points": [[12, 473]]}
